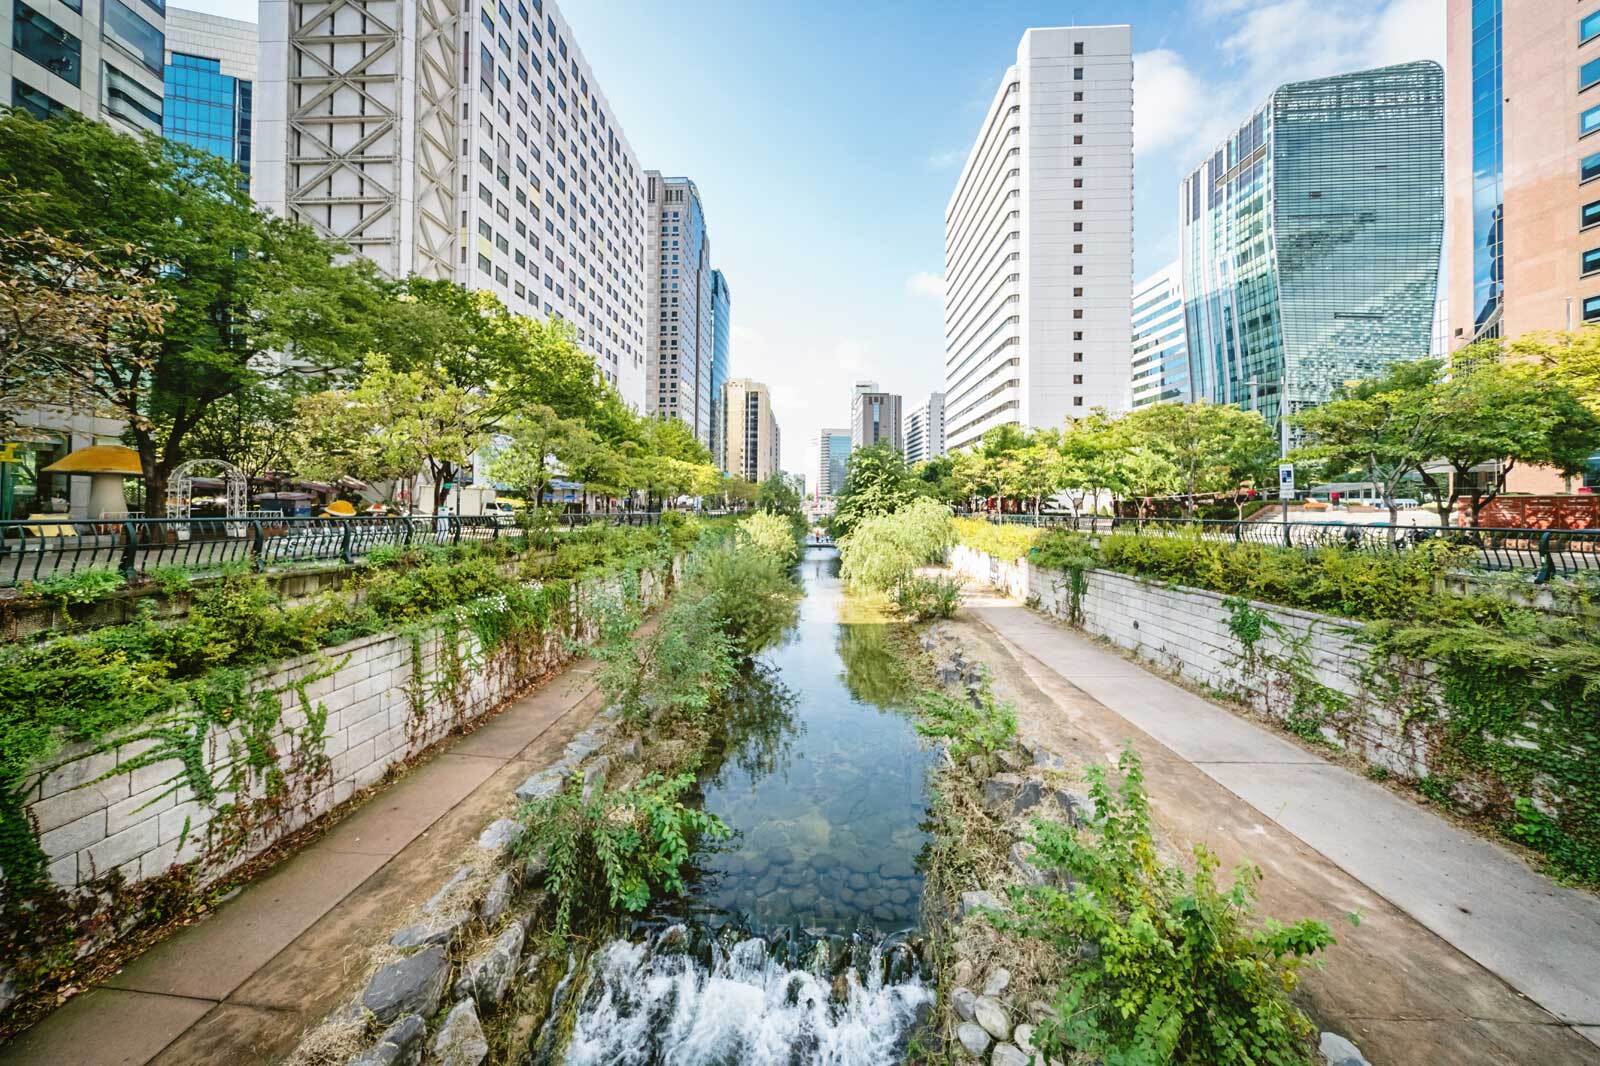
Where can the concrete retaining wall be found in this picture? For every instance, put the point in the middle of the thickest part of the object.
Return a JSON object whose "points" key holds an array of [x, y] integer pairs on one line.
{"points": [[1186, 631], [387, 698]]}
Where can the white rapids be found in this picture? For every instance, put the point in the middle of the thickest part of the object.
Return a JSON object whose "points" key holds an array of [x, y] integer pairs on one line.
{"points": [[643, 1009]]}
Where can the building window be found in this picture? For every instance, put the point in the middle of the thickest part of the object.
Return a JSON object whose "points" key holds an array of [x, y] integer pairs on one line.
{"points": [[1591, 261], [1077, 98], [1077, 291], [1077, 227], [1077, 183], [1078, 269], [1591, 214], [47, 44], [1588, 122], [1077, 73], [1077, 160], [1589, 74], [1589, 169], [1077, 138], [1077, 401], [1591, 308], [1077, 48], [1589, 28], [129, 100], [1077, 335], [1077, 312], [34, 102], [1078, 117], [1077, 379], [1077, 205], [136, 35]]}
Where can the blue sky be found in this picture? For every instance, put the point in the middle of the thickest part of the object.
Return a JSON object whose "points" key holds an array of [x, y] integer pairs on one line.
{"points": [[825, 138]]}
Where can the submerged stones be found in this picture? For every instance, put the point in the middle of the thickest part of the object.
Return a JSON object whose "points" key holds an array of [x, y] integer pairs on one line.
{"points": [[412, 985]]}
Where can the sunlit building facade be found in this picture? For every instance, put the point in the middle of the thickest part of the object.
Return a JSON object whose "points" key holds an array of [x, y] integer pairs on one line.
{"points": [[1310, 239], [1160, 360], [721, 343], [924, 430], [210, 84]]}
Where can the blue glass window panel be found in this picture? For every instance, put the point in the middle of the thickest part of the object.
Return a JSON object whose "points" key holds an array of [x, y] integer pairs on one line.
{"points": [[1589, 121], [1591, 308], [1590, 215], [36, 103], [1588, 74], [1591, 261], [1589, 28]]}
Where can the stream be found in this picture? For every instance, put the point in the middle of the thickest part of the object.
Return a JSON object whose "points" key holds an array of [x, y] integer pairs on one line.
{"points": [[796, 943]]}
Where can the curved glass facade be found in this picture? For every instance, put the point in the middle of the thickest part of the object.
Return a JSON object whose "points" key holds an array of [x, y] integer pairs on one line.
{"points": [[1488, 168], [1311, 239]]}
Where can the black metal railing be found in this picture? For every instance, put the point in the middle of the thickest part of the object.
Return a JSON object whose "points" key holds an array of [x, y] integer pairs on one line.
{"points": [[33, 550], [1545, 552]]}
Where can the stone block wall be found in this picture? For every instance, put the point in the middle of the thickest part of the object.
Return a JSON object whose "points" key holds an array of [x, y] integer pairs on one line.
{"points": [[1314, 658], [387, 699]]}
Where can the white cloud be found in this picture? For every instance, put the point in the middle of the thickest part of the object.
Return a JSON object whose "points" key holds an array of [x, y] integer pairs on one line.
{"points": [[923, 283], [1168, 99], [945, 160]]}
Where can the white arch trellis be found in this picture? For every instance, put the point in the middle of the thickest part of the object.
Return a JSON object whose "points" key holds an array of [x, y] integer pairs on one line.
{"points": [[180, 487]]}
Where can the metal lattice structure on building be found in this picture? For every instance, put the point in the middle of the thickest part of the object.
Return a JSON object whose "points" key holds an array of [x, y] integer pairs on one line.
{"points": [[364, 102]]}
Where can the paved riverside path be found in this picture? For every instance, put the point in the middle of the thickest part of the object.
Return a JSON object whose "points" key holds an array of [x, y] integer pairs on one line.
{"points": [[1437, 994], [240, 986]]}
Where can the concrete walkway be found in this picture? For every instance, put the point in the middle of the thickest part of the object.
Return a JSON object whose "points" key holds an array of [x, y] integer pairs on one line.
{"points": [[242, 985], [1539, 938]]}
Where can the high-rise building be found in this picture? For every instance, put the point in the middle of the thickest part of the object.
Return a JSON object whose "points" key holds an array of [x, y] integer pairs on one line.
{"points": [[752, 431], [874, 417], [1160, 362], [1039, 240], [721, 343], [210, 82], [476, 147], [103, 59], [1523, 99], [924, 430], [680, 324], [1311, 237], [833, 451]]}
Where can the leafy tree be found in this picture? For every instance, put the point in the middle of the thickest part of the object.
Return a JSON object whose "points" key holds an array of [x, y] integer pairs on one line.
{"points": [[539, 439], [876, 481], [1493, 411], [254, 428], [938, 478], [1386, 426], [1570, 359], [391, 424], [240, 287], [64, 315], [779, 494], [738, 491], [1212, 447]]}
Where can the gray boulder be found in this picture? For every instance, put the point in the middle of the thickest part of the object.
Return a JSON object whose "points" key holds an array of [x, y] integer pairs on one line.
{"points": [[1340, 1052], [1000, 790], [1009, 760], [1029, 796], [973, 1038], [963, 1000], [973, 901], [439, 898], [1022, 1036], [400, 1045], [541, 786], [501, 835], [461, 1041], [487, 975], [1077, 806], [1022, 861], [594, 778], [441, 929], [997, 982], [412, 985], [991, 1014], [1007, 1055], [498, 898]]}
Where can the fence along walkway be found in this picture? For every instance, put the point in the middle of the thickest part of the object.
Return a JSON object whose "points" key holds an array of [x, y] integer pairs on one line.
{"points": [[1546, 552], [40, 549]]}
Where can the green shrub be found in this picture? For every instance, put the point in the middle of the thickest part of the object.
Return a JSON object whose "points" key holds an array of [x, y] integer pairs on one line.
{"points": [[747, 592], [924, 599], [968, 729], [678, 671], [70, 590], [776, 535], [1169, 967], [882, 551], [616, 849], [1007, 543]]}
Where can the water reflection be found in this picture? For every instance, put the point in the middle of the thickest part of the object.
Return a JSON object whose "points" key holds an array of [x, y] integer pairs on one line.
{"points": [[822, 783]]}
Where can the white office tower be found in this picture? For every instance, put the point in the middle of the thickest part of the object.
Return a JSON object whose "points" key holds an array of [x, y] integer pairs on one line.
{"points": [[475, 146], [1160, 367], [1039, 240], [102, 59], [924, 433]]}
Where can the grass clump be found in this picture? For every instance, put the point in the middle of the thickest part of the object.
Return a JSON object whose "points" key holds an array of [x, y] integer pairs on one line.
{"points": [[775, 535], [616, 849], [925, 599], [981, 726], [1168, 967]]}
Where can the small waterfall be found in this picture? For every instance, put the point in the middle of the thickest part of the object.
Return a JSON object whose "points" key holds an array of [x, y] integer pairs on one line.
{"points": [[685, 997]]}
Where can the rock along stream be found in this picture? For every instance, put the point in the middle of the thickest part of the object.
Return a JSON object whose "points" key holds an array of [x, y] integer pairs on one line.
{"points": [[797, 942]]}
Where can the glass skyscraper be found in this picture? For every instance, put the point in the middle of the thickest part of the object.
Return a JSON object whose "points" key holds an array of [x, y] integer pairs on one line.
{"points": [[1488, 169], [207, 108], [721, 341], [1160, 363], [1310, 240]]}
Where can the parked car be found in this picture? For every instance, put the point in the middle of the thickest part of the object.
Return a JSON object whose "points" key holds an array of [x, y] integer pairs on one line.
{"points": [[502, 512], [1404, 502]]}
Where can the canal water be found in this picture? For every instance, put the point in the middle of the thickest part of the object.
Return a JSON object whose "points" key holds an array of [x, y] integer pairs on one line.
{"points": [[796, 943]]}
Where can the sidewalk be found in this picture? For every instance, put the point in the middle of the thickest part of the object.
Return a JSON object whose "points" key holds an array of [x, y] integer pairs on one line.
{"points": [[240, 986], [1466, 893]]}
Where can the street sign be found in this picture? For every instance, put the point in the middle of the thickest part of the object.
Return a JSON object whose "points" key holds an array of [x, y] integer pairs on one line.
{"points": [[1286, 481]]}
